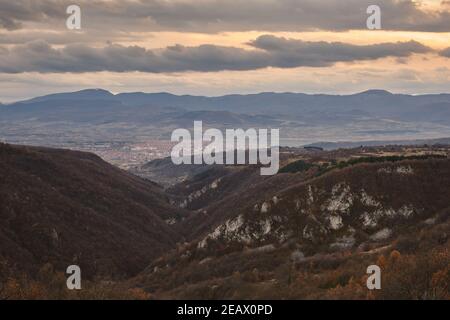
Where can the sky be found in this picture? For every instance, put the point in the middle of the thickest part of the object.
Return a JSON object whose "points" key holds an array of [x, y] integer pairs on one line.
{"points": [[217, 47]]}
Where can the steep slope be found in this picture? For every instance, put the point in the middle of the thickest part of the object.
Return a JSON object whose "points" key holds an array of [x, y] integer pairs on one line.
{"points": [[363, 199], [215, 195], [323, 230], [64, 207], [211, 193]]}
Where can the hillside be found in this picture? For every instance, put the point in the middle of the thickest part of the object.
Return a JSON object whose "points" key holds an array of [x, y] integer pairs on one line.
{"points": [[227, 232], [64, 207], [312, 234]]}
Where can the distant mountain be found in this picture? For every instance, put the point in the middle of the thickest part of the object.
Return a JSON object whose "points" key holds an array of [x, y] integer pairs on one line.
{"points": [[89, 116], [375, 102], [375, 92], [65, 207], [89, 94]]}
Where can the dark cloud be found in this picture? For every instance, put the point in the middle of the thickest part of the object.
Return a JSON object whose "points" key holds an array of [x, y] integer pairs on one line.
{"points": [[269, 51], [9, 24], [228, 15], [13, 14], [289, 52]]}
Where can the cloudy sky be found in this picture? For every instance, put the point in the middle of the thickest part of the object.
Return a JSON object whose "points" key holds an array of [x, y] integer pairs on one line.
{"points": [[215, 47]]}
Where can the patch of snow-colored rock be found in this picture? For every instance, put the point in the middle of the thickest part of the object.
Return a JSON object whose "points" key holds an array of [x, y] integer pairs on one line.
{"points": [[403, 170], [335, 222], [344, 242], [265, 207], [381, 235], [341, 199], [171, 221], [199, 193], [246, 232]]}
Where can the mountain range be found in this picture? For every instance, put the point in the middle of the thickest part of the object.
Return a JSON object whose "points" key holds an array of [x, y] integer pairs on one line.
{"points": [[434, 108]]}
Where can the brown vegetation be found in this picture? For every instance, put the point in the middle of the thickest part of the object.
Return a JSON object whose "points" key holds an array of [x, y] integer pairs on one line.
{"points": [[63, 207], [67, 207]]}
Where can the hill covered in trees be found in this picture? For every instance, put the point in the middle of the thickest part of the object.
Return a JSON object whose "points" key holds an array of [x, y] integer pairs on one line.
{"points": [[309, 232]]}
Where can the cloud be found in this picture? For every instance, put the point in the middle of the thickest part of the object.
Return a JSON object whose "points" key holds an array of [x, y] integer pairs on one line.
{"points": [[268, 51], [9, 24], [228, 15], [291, 53], [13, 14]]}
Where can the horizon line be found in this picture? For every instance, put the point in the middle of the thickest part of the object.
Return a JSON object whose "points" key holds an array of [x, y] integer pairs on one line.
{"points": [[369, 91]]}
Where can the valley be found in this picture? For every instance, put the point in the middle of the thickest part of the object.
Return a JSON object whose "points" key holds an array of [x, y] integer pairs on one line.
{"points": [[130, 129], [226, 232], [308, 234], [224, 158]]}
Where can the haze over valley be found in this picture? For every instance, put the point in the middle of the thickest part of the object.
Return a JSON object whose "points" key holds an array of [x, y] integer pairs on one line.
{"points": [[131, 129]]}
